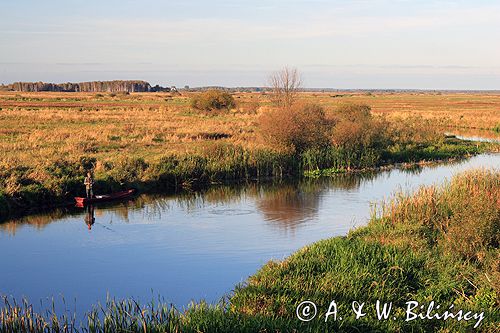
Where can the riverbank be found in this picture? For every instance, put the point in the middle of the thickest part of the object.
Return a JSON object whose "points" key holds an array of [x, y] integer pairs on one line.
{"points": [[30, 188], [439, 244]]}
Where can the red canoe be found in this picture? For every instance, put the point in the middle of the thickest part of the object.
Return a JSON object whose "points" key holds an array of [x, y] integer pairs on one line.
{"points": [[106, 197]]}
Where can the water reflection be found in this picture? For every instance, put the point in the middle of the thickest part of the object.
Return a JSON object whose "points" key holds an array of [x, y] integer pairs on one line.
{"points": [[476, 135], [38, 221], [288, 206], [285, 204], [89, 217]]}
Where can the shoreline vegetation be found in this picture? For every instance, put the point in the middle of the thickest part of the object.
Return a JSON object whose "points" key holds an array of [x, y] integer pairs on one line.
{"points": [[220, 164], [438, 244]]}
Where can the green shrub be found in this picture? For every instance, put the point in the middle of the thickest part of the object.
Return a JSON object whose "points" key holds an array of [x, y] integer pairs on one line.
{"points": [[213, 99]]}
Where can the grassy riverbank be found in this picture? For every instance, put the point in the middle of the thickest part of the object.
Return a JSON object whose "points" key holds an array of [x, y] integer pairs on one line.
{"points": [[27, 187], [439, 244]]}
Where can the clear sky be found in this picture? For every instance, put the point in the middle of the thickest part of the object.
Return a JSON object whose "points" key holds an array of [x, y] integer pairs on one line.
{"points": [[450, 44]]}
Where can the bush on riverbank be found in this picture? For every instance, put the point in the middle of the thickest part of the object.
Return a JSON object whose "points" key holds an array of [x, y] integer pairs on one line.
{"points": [[351, 137], [355, 128], [298, 127]]}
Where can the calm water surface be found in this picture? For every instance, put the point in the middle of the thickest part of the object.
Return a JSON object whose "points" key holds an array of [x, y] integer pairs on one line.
{"points": [[190, 247]]}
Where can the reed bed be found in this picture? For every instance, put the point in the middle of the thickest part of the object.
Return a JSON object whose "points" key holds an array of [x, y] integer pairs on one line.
{"points": [[460, 217]]}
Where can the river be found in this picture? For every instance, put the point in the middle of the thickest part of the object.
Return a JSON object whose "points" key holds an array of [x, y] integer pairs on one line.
{"points": [[191, 246]]}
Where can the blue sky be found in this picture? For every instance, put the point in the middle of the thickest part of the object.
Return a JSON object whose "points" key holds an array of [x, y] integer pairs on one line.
{"points": [[339, 44]]}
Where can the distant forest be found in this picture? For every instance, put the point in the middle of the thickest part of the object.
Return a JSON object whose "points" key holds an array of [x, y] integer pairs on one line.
{"points": [[93, 86]]}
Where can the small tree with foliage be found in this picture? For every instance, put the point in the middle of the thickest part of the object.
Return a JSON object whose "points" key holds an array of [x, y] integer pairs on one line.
{"points": [[355, 128]]}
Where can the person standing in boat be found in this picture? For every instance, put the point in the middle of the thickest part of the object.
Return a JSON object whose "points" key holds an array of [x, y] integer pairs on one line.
{"points": [[89, 183]]}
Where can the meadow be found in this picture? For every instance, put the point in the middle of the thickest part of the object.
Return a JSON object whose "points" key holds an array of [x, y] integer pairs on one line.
{"points": [[158, 141]]}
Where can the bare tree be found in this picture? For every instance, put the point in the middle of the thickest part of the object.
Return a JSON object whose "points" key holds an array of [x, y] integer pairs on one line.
{"points": [[285, 85]]}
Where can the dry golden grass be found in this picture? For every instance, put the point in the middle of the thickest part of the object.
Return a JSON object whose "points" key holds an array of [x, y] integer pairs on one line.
{"points": [[37, 127], [127, 127], [462, 110]]}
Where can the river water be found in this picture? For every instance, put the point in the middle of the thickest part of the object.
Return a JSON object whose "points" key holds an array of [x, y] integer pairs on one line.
{"points": [[190, 247]]}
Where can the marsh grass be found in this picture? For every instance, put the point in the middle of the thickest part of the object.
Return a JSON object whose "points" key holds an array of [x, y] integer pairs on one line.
{"points": [[460, 218], [130, 316], [60, 180]]}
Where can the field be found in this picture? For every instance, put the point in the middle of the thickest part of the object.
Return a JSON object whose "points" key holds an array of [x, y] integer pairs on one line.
{"points": [[34, 126], [158, 140], [148, 125]]}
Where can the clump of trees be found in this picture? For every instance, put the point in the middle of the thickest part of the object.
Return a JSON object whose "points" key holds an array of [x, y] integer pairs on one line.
{"points": [[213, 99], [92, 86], [298, 126]]}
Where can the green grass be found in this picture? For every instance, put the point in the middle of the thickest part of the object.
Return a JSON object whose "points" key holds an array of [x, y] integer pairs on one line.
{"points": [[330, 161]]}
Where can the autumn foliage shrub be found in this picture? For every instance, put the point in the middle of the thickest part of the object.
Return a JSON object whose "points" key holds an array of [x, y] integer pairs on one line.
{"points": [[356, 128], [299, 127], [213, 99]]}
